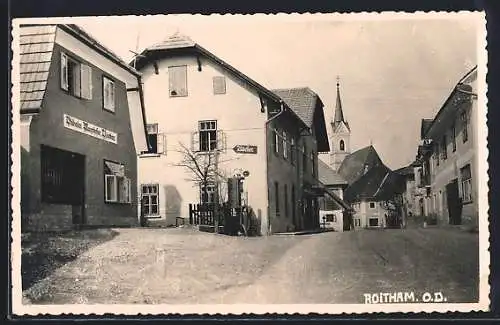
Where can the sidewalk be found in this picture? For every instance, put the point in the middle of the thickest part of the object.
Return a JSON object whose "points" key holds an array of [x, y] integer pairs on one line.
{"points": [[304, 232]]}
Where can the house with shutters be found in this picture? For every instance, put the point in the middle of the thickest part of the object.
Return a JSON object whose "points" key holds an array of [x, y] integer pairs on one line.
{"points": [[201, 111], [446, 171], [81, 129]]}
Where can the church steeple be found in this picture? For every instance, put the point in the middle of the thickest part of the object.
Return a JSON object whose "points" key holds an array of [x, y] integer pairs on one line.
{"points": [[339, 114], [341, 134]]}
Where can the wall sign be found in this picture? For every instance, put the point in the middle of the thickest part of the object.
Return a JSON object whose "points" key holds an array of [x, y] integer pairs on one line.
{"points": [[245, 149], [95, 131]]}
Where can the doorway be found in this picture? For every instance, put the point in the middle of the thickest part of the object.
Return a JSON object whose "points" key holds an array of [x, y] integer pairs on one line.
{"points": [[63, 180], [454, 203]]}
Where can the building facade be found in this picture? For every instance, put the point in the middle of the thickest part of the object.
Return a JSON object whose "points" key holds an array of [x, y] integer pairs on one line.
{"points": [[448, 159], [81, 128], [203, 112]]}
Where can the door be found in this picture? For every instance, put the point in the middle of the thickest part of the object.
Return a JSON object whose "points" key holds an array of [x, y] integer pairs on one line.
{"points": [[454, 203]]}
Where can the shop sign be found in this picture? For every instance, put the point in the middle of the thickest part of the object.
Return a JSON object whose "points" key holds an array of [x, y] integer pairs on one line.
{"points": [[87, 128]]}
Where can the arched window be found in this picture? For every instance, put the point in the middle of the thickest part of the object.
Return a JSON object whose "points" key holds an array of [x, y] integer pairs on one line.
{"points": [[342, 145]]}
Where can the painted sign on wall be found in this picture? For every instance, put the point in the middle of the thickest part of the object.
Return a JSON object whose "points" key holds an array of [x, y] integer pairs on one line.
{"points": [[87, 128]]}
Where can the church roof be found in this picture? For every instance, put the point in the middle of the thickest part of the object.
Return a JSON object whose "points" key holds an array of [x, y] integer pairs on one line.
{"points": [[379, 183], [353, 165], [338, 116], [328, 176]]}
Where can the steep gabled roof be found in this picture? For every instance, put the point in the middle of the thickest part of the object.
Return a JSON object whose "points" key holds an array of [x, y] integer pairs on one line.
{"points": [[424, 126], [353, 165], [328, 176], [309, 107], [36, 47], [183, 44], [379, 183]]}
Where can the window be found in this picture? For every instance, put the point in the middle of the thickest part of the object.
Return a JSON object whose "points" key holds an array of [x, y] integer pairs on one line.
{"points": [[275, 141], [357, 222], [342, 145], [150, 199], [285, 146], [304, 159], [219, 84], [293, 154], [466, 176], [313, 165], [330, 217], [436, 153], [177, 77], [156, 141], [76, 77], [465, 126], [208, 193], [292, 202], [208, 135], [372, 205], [454, 137], [373, 222], [444, 151], [277, 197], [117, 185], [285, 191], [108, 89]]}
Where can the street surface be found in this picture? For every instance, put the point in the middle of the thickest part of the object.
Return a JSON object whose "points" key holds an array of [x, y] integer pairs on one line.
{"points": [[177, 266]]}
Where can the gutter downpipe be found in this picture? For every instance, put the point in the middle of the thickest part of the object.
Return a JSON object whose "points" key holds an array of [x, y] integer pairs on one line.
{"points": [[282, 110]]}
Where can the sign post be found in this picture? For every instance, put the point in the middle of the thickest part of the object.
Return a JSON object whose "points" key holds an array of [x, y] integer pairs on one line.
{"points": [[245, 149]]}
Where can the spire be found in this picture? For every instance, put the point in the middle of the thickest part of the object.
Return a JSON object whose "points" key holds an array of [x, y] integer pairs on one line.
{"points": [[339, 115]]}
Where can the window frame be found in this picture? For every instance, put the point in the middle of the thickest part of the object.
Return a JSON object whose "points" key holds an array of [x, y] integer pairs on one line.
{"points": [[151, 194], [342, 145], [454, 137], [79, 88], [277, 198], [357, 222], [465, 126], [118, 196], [284, 145], [105, 102], [211, 197], [370, 205], [466, 183], [209, 131], [444, 147]]}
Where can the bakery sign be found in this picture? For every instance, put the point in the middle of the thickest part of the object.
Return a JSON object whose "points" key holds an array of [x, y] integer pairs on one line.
{"points": [[87, 128]]}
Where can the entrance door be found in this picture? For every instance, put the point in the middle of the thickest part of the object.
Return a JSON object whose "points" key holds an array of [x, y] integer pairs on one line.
{"points": [[454, 203]]}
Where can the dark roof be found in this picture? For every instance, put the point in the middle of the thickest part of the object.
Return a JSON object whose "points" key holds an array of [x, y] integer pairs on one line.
{"points": [[407, 170], [379, 183], [354, 164], [425, 124], [308, 106], [338, 116], [328, 176], [36, 46]]}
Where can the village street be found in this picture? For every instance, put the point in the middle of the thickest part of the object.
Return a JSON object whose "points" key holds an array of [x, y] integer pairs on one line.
{"points": [[177, 266]]}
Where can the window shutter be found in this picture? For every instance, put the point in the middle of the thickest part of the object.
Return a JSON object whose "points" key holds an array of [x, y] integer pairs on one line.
{"points": [[112, 95], [219, 84], [86, 73], [161, 143], [221, 140], [195, 141], [64, 71]]}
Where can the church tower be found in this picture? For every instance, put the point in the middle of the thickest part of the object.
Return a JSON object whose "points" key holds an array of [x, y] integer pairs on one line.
{"points": [[340, 140]]}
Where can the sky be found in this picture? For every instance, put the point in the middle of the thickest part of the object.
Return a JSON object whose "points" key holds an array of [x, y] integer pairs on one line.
{"points": [[393, 72]]}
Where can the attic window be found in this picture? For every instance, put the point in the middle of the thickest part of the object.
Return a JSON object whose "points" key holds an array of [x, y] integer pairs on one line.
{"points": [[219, 84], [177, 81]]}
